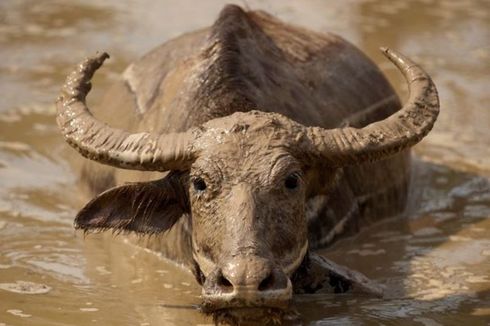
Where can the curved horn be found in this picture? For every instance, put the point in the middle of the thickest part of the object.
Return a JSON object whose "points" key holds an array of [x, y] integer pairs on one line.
{"points": [[386, 137], [99, 142]]}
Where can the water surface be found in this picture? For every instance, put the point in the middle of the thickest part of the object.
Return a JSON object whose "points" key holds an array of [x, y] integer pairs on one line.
{"points": [[435, 261]]}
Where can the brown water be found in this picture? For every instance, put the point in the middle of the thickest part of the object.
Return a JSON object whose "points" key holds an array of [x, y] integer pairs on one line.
{"points": [[435, 262]]}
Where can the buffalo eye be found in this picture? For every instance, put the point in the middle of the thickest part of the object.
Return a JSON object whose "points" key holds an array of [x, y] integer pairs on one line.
{"points": [[291, 181], [199, 184]]}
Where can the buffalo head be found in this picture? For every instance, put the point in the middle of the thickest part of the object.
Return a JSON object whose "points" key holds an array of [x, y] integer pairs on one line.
{"points": [[242, 180]]}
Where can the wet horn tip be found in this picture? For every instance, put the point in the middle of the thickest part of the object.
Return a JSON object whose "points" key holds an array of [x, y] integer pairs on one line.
{"points": [[102, 55], [401, 61], [98, 59], [92, 63], [384, 49], [389, 53]]}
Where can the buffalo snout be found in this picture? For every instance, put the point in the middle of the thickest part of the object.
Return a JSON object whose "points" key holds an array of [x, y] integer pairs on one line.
{"points": [[247, 281]]}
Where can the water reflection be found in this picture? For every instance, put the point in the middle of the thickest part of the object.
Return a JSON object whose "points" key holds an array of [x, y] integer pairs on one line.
{"points": [[435, 262]]}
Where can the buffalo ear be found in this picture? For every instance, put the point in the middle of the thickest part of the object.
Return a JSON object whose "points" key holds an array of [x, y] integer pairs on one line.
{"points": [[146, 207]]}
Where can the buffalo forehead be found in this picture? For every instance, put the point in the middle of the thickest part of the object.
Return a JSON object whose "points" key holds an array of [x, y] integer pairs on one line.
{"points": [[246, 162]]}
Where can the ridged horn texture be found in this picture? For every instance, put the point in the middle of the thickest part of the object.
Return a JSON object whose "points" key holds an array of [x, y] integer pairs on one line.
{"points": [[377, 140], [97, 141]]}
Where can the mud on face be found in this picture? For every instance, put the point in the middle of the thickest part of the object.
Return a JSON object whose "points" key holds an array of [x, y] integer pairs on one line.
{"points": [[248, 222]]}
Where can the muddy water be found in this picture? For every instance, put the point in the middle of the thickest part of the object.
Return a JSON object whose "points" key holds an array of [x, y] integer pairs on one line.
{"points": [[435, 262]]}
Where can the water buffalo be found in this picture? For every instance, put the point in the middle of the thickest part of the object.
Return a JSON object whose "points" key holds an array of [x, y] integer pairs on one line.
{"points": [[274, 139]]}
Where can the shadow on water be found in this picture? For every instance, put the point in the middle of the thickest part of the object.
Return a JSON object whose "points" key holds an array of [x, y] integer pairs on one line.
{"points": [[435, 261]]}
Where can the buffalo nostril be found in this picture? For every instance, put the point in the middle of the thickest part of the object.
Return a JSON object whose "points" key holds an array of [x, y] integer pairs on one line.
{"points": [[224, 284], [267, 283]]}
